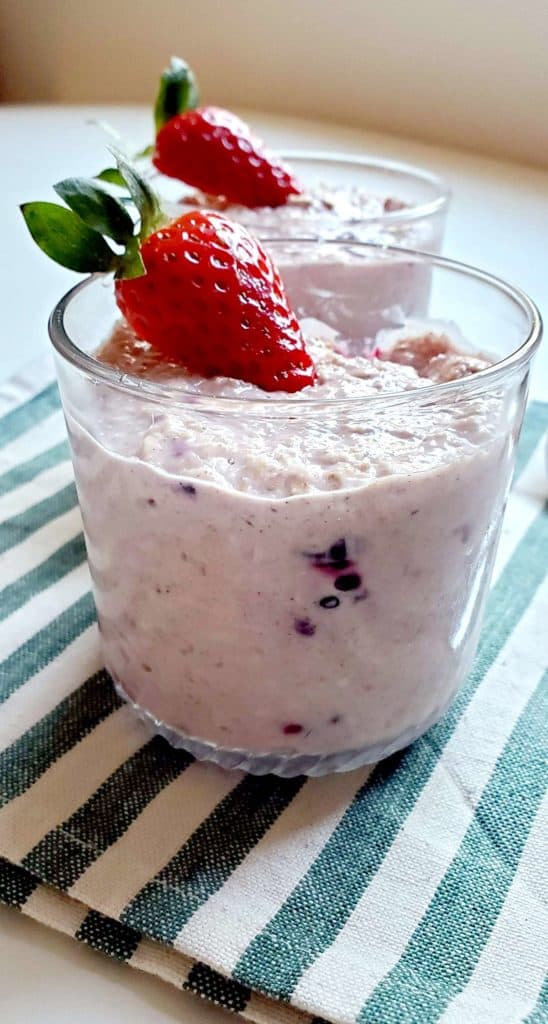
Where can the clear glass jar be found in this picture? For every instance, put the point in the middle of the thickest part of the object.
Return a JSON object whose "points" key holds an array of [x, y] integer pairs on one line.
{"points": [[311, 601], [418, 224]]}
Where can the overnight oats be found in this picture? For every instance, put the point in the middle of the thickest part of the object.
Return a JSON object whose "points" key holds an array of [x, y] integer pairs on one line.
{"points": [[290, 526], [209, 159]]}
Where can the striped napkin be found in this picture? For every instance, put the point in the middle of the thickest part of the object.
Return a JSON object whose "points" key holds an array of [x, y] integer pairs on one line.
{"points": [[408, 892]]}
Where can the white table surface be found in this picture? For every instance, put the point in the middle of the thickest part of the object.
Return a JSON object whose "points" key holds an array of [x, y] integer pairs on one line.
{"points": [[498, 220]]}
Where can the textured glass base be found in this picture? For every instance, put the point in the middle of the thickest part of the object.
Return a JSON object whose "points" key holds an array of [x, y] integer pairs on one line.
{"points": [[285, 764]]}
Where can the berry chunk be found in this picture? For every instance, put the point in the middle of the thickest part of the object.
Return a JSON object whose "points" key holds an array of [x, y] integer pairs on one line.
{"points": [[349, 581], [332, 561], [305, 627]]}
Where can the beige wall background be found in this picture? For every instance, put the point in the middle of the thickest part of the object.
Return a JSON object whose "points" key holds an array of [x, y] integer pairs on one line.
{"points": [[470, 73]]}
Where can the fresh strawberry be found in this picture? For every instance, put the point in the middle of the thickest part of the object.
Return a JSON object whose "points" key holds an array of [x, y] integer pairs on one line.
{"points": [[212, 300], [200, 290], [212, 149]]}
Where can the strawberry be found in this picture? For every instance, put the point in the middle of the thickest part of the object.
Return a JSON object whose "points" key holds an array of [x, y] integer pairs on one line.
{"points": [[212, 149], [201, 290], [213, 300]]}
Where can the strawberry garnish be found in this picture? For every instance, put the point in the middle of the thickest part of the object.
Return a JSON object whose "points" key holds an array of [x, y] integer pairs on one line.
{"points": [[212, 300], [212, 149], [201, 290]]}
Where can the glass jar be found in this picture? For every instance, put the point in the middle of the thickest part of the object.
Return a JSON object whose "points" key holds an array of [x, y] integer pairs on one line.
{"points": [[408, 204], [292, 584]]}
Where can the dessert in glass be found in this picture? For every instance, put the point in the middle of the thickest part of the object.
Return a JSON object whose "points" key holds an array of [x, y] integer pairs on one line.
{"points": [[295, 584], [209, 159], [343, 196], [290, 524]]}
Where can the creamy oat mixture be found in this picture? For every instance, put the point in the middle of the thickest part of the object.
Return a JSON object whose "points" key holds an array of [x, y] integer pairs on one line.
{"points": [[293, 576], [281, 456], [333, 211], [335, 204]]}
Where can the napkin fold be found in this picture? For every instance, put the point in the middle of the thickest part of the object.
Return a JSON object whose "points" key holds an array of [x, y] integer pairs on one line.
{"points": [[410, 891]]}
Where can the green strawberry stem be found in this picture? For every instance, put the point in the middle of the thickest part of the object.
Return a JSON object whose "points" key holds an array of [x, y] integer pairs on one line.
{"points": [[178, 92], [144, 197], [74, 238], [144, 153]]}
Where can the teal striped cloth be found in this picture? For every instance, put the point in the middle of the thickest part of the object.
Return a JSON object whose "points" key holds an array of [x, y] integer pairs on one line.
{"points": [[411, 891]]}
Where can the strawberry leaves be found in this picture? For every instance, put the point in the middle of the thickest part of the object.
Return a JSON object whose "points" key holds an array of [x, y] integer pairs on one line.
{"points": [[65, 238], [74, 238], [178, 92], [100, 210]]}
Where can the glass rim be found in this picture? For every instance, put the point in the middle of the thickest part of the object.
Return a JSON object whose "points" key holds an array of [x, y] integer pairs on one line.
{"points": [[415, 211], [164, 392]]}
